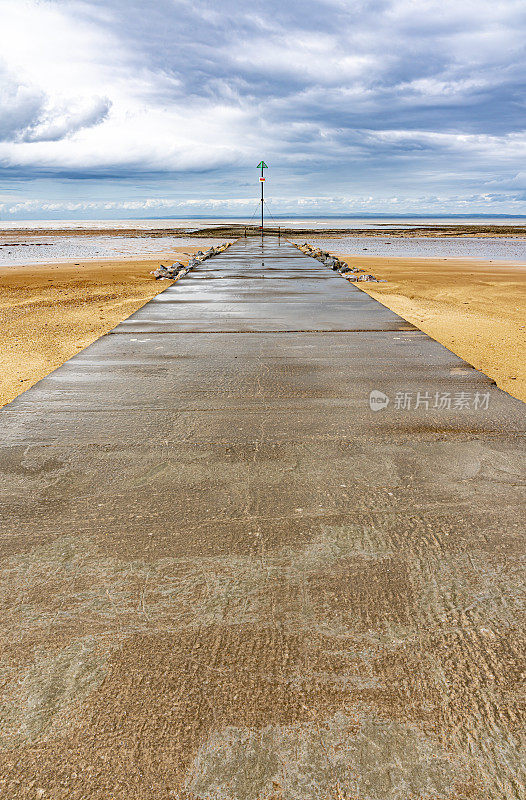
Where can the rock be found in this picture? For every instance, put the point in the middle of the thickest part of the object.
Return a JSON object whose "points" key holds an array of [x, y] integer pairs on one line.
{"points": [[162, 272], [367, 278], [176, 270]]}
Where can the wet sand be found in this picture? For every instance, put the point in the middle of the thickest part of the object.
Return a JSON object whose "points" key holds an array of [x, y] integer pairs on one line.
{"points": [[231, 229], [49, 312], [476, 309]]}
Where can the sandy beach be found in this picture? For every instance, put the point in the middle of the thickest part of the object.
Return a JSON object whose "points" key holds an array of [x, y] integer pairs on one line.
{"points": [[475, 308], [49, 312]]}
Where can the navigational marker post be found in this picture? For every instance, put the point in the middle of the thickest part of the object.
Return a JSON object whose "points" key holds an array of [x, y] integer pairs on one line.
{"points": [[262, 166]]}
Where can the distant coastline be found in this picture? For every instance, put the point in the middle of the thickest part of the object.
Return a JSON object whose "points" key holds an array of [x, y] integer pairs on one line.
{"points": [[346, 216], [277, 216]]}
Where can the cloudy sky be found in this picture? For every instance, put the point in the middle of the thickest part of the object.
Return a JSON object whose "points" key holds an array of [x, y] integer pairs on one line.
{"points": [[129, 108]]}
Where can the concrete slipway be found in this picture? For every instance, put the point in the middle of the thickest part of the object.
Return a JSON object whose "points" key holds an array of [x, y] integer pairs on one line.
{"points": [[225, 576]]}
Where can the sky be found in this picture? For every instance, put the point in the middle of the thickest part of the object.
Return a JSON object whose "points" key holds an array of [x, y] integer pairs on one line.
{"points": [[143, 108]]}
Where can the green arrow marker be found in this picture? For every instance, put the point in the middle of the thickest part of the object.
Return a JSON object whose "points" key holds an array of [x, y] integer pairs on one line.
{"points": [[262, 165]]}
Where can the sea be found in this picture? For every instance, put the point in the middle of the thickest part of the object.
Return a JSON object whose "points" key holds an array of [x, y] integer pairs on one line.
{"points": [[17, 248]]}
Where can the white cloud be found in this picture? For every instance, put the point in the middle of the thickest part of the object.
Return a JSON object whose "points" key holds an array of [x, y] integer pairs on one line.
{"points": [[78, 81], [20, 105], [370, 95], [314, 56], [511, 147], [56, 123], [485, 202]]}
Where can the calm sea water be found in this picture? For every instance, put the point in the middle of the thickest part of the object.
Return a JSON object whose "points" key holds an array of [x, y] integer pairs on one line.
{"points": [[47, 247], [297, 222]]}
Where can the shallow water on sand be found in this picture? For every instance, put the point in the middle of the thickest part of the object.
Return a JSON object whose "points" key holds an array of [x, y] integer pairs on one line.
{"points": [[51, 248], [486, 248], [64, 248]]}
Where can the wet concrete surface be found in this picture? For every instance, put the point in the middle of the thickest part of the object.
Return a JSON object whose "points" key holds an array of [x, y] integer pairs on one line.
{"points": [[225, 576], [256, 289]]}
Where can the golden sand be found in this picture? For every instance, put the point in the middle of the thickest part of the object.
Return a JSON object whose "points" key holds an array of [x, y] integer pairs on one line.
{"points": [[50, 312], [477, 309]]}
